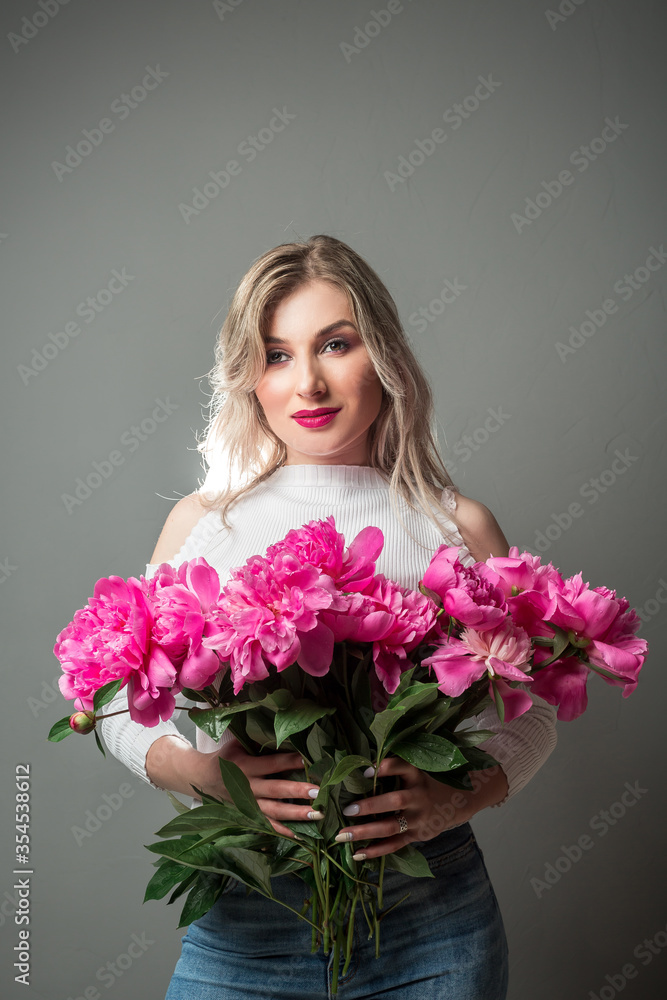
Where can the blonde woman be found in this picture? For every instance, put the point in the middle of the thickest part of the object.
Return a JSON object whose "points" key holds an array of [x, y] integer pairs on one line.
{"points": [[320, 407]]}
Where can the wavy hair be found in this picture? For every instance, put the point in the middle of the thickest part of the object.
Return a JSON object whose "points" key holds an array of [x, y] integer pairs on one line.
{"points": [[402, 440]]}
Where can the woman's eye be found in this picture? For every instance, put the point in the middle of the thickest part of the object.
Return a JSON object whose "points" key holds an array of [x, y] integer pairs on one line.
{"points": [[272, 360]]}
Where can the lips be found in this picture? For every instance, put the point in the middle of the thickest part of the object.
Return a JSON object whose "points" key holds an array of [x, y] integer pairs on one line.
{"points": [[320, 412]]}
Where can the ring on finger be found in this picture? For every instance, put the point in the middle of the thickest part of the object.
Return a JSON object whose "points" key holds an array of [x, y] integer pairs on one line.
{"points": [[402, 822]]}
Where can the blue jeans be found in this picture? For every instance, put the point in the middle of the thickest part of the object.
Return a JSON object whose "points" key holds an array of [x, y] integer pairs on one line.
{"points": [[446, 940]]}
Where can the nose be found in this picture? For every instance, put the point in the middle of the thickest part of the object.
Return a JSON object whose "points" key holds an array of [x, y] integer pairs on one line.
{"points": [[308, 377]]}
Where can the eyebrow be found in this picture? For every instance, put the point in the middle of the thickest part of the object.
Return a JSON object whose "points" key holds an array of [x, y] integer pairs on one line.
{"points": [[320, 333]]}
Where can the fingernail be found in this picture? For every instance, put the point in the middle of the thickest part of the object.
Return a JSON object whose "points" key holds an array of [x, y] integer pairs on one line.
{"points": [[303, 761], [359, 857], [341, 838], [315, 814], [351, 810], [369, 772], [313, 792], [296, 837]]}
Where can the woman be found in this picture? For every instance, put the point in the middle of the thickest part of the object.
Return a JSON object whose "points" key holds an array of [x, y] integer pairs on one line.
{"points": [[312, 328]]}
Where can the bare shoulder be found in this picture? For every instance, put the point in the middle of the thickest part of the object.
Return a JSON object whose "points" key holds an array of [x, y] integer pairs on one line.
{"points": [[180, 521], [479, 529]]}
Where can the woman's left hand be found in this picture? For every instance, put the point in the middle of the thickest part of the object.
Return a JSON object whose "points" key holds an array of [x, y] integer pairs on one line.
{"points": [[428, 805]]}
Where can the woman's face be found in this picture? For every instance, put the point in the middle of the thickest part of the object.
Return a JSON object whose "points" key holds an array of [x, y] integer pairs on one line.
{"points": [[315, 359]]}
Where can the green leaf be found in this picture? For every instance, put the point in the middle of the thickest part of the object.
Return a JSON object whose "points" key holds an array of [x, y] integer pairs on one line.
{"points": [[106, 693], [383, 723], [279, 699], [214, 721], [184, 885], [179, 806], [205, 817], [345, 766], [99, 743], [238, 788], [479, 760], [59, 730], [560, 643], [193, 695], [253, 866], [472, 737], [409, 861], [317, 740], [500, 704], [429, 752], [301, 714], [415, 695], [165, 878], [201, 897]]}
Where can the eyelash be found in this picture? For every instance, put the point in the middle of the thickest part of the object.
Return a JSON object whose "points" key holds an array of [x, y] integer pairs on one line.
{"points": [[335, 340]]}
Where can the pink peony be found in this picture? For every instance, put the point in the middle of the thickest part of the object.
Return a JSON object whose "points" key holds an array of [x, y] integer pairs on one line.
{"points": [[497, 652], [412, 617], [318, 544], [265, 618], [147, 632], [468, 593]]}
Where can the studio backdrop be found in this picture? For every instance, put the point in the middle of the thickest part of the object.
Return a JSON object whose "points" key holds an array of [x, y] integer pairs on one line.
{"points": [[501, 165]]}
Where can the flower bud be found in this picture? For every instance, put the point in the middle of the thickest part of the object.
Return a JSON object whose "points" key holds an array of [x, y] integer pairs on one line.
{"points": [[82, 722]]}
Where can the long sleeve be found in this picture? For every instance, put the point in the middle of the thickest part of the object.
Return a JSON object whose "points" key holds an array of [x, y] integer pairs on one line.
{"points": [[130, 741], [521, 746]]}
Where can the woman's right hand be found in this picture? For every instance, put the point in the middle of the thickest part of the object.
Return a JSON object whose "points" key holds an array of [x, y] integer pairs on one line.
{"points": [[268, 791]]}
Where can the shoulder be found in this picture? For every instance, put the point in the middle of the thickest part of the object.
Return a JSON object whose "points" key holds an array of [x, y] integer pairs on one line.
{"points": [[180, 521], [479, 529]]}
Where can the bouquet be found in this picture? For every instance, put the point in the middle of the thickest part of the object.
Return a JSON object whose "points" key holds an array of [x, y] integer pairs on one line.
{"points": [[308, 649]]}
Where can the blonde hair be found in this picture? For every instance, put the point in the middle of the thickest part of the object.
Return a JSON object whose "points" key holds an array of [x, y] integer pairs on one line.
{"points": [[402, 441]]}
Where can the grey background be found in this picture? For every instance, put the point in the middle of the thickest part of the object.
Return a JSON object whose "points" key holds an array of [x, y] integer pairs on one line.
{"points": [[494, 346]]}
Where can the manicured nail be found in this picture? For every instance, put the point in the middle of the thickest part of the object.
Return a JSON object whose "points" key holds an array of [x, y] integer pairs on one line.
{"points": [[359, 857], [369, 772], [315, 814], [351, 810], [341, 838], [313, 792]]}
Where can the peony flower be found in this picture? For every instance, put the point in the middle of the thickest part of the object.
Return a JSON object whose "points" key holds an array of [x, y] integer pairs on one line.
{"points": [[411, 616], [318, 544], [264, 618], [468, 593], [604, 627], [497, 653]]}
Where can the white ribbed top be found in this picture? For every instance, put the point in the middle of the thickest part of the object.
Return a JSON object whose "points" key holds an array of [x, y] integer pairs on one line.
{"points": [[356, 496]]}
